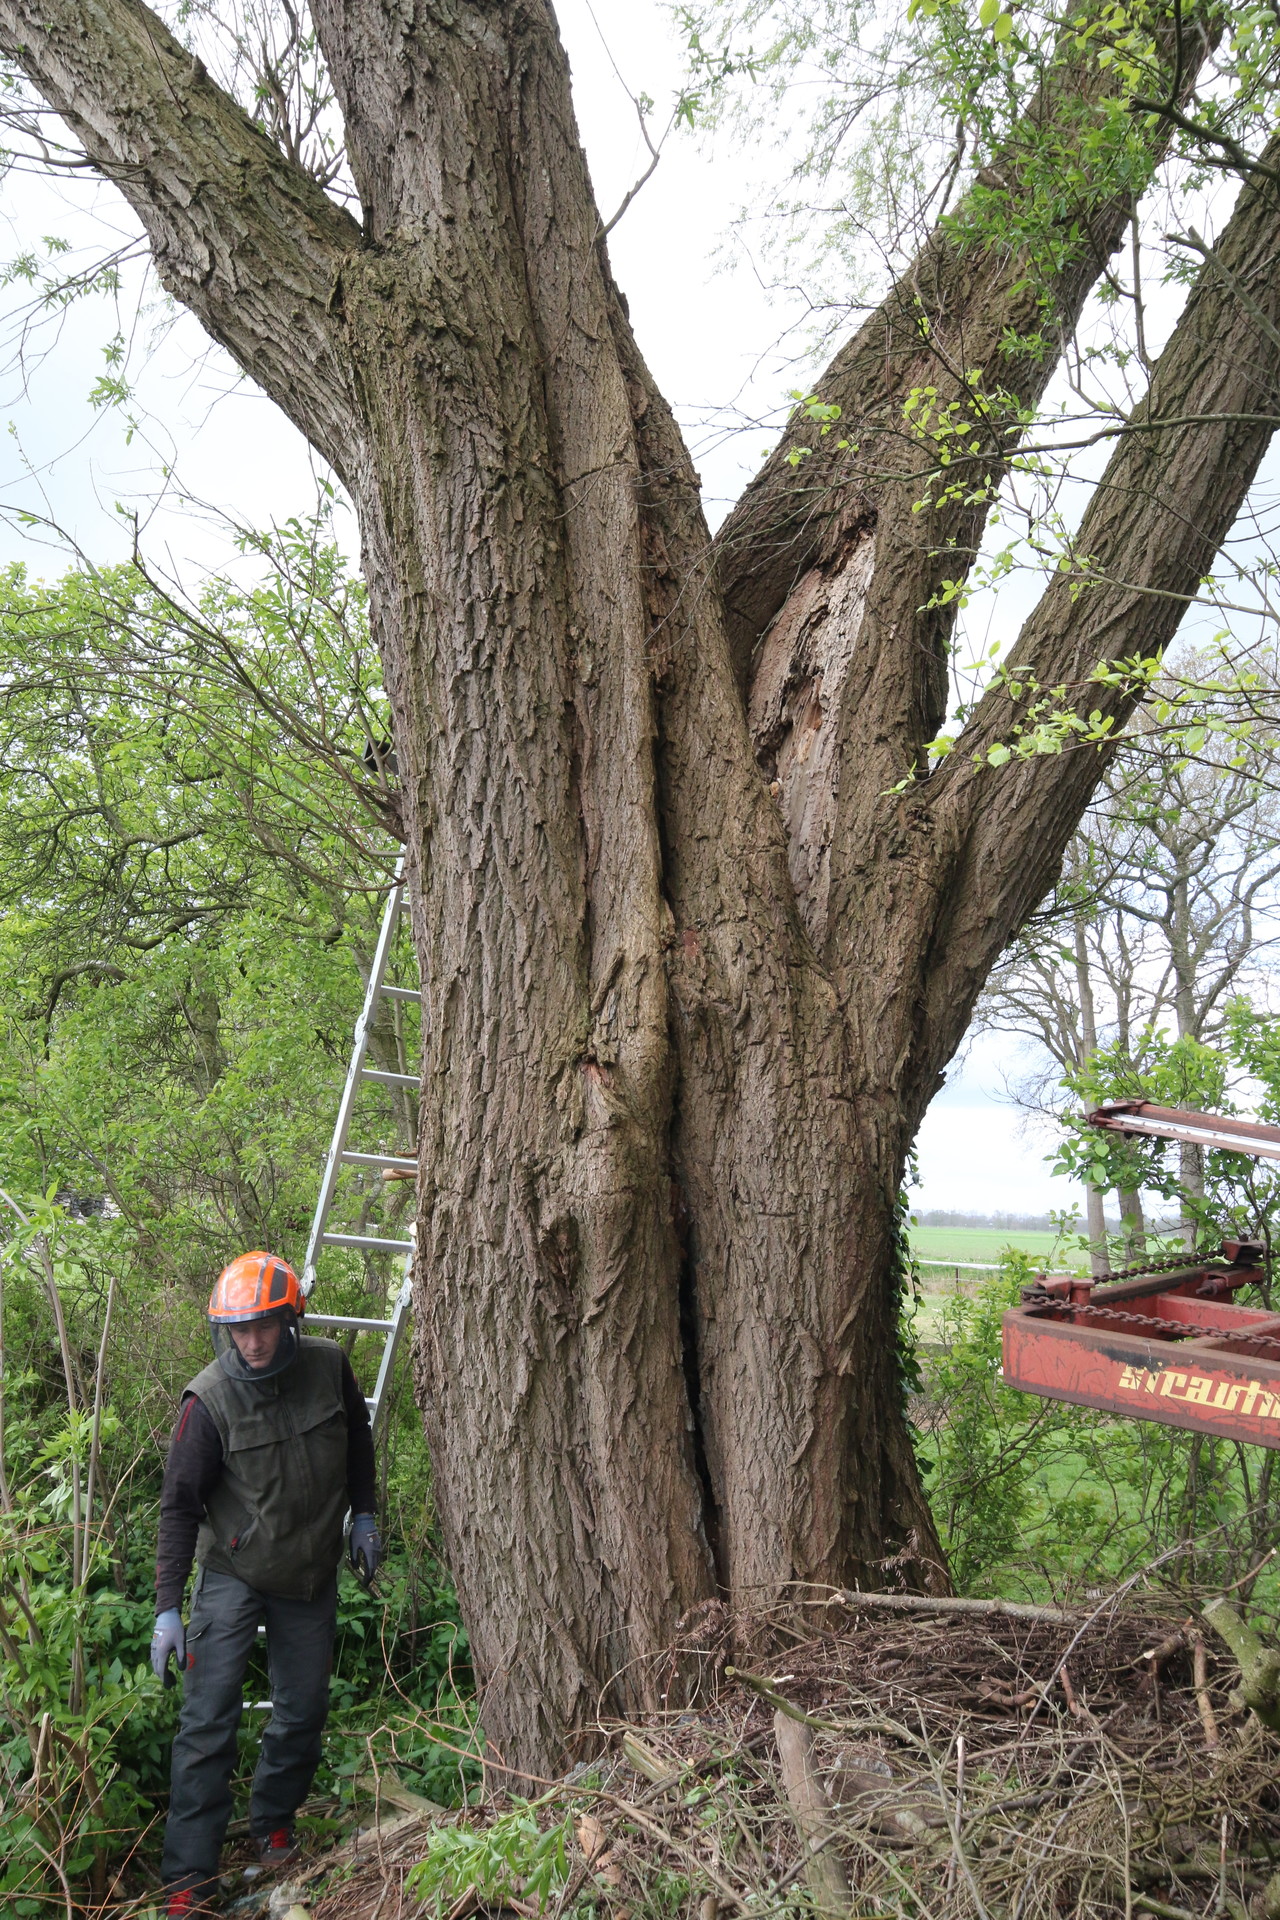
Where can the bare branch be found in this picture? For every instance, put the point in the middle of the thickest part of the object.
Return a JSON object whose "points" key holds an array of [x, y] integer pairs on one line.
{"points": [[238, 232], [1192, 239]]}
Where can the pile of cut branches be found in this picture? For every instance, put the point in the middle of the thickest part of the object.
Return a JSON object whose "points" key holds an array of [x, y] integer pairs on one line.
{"points": [[898, 1757]]}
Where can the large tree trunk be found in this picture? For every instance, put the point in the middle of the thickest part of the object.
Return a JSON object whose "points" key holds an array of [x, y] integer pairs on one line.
{"points": [[685, 1009], [637, 1071], [503, 552]]}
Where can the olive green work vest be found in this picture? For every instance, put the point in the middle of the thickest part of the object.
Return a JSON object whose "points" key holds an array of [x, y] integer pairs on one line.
{"points": [[274, 1519]]}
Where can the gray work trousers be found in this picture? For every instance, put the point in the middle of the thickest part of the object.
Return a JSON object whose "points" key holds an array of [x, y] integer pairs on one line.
{"points": [[224, 1621]]}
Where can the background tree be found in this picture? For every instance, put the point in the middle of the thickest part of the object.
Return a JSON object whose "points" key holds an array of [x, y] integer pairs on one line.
{"points": [[190, 851], [1132, 975], [698, 927]]}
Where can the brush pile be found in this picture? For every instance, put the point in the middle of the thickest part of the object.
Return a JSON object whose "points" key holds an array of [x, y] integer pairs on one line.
{"points": [[886, 1756]]}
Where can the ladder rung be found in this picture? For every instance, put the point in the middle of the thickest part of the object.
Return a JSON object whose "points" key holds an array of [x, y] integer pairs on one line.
{"points": [[403, 993], [381, 1160], [346, 1320], [391, 1079], [366, 1240]]}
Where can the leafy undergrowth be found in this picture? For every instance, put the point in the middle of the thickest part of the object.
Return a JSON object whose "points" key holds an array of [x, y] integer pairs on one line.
{"points": [[961, 1767], [82, 1792]]}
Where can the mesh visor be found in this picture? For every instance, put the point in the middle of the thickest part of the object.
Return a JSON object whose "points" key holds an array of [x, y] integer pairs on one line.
{"points": [[258, 1348]]}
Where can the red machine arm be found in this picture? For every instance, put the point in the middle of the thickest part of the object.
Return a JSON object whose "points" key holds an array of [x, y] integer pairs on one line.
{"points": [[1181, 1123], [1164, 1345]]}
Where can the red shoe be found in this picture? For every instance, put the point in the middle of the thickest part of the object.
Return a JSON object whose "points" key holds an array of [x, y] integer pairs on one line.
{"points": [[278, 1848], [190, 1903]]}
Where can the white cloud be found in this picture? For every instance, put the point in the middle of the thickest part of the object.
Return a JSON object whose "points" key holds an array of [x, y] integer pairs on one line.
{"points": [[976, 1160], [979, 1153]]}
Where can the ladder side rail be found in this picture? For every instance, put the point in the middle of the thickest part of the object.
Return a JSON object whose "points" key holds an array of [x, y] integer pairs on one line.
{"points": [[400, 1315], [333, 1160]]}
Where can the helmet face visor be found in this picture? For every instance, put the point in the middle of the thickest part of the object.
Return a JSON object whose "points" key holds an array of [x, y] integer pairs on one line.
{"points": [[258, 1348]]}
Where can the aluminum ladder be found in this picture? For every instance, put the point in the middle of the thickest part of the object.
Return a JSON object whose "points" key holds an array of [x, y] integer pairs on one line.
{"points": [[340, 1155]]}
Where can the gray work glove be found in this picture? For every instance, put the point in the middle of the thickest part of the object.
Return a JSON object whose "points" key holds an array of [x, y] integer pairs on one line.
{"points": [[168, 1638], [364, 1547]]}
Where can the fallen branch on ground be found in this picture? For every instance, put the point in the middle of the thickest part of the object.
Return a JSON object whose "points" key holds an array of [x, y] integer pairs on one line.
{"points": [[806, 1796], [927, 1603]]}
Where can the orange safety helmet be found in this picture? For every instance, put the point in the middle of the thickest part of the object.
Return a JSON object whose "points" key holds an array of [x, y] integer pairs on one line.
{"points": [[256, 1287]]}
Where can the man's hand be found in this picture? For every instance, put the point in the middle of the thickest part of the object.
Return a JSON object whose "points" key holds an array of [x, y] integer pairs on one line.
{"points": [[364, 1548], [168, 1638]]}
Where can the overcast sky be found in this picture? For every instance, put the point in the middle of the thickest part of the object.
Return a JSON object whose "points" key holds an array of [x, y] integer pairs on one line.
{"points": [[722, 347]]}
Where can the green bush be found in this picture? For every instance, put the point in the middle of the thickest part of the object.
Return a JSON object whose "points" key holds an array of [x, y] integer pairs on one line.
{"points": [[511, 1858]]}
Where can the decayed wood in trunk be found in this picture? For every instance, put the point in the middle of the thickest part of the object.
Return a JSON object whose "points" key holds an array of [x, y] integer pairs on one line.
{"points": [[681, 1027]]}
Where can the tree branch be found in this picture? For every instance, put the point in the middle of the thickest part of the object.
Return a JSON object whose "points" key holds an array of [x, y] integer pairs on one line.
{"points": [[100, 969], [1193, 240], [1241, 162], [1151, 533], [238, 232], [958, 307]]}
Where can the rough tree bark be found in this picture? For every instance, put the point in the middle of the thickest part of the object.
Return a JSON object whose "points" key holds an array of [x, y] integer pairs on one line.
{"points": [[689, 992]]}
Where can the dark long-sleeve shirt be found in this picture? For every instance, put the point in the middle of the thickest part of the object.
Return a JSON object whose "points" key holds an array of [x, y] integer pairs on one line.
{"points": [[195, 1464]]}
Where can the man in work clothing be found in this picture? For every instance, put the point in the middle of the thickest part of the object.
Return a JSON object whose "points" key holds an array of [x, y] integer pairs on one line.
{"points": [[272, 1446]]}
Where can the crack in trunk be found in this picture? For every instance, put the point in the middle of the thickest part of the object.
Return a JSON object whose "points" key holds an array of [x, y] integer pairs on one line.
{"points": [[712, 1524]]}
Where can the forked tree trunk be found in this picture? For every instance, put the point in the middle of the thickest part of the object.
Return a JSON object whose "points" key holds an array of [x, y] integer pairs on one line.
{"points": [[685, 1014], [655, 1238]]}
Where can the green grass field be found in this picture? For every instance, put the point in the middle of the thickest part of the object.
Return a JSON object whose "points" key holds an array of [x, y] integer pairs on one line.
{"points": [[966, 1244], [972, 1247]]}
